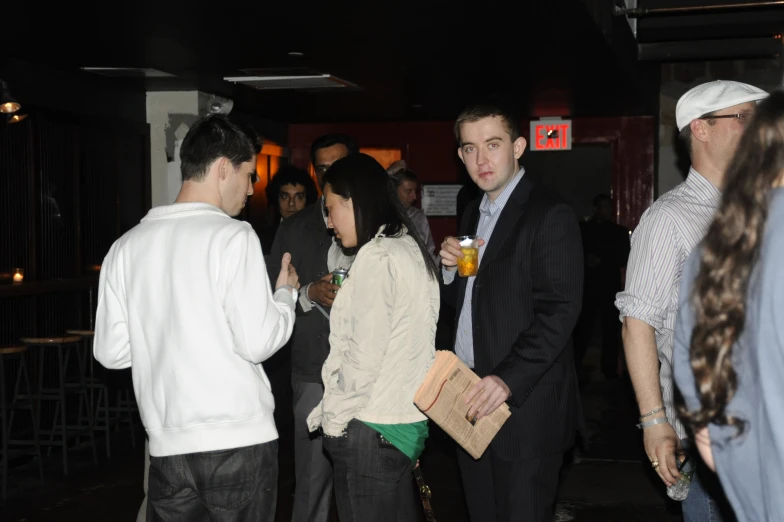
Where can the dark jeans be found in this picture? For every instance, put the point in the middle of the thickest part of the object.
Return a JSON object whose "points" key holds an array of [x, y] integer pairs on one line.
{"points": [[239, 484], [706, 501], [373, 479]]}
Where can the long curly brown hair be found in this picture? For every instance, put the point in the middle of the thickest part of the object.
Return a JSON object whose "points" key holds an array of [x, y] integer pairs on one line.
{"points": [[730, 252]]}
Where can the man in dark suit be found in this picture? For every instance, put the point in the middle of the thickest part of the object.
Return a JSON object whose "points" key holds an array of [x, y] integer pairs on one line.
{"points": [[315, 253], [514, 321]]}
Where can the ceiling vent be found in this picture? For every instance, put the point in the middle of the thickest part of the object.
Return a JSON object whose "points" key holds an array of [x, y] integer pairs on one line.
{"points": [[128, 72], [290, 79]]}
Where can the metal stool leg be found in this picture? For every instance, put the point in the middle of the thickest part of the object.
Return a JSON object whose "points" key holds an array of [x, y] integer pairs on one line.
{"points": [[36, 433], [5, 434], [84, 396], [64, 417]]}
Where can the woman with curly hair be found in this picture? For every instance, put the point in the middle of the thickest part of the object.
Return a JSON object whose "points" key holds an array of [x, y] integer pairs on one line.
{"points": [[729, 338]]}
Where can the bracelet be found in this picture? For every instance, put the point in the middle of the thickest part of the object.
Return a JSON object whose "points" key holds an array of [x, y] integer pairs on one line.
{"points": [[305, 291], [654, 422], [657, 410]]}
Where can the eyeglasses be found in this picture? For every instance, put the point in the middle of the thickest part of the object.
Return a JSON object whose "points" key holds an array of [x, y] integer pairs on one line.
{"points": [[741, 116]]}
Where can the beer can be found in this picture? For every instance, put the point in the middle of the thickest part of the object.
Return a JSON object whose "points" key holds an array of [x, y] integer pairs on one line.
{"points": [[338, 276]]}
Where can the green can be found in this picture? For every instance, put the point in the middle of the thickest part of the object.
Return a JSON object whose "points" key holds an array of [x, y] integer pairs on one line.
{"points": [[338, 276]]}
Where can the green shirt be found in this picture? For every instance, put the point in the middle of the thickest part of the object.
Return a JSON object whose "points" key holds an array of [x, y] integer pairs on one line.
{"points": [[408, 438]]}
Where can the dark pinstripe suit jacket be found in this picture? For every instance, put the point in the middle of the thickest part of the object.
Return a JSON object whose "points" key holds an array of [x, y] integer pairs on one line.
{"points": [[526, 299]]}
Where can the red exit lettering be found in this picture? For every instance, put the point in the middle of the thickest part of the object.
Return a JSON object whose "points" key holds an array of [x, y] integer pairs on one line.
{"points": [[552, 136]]}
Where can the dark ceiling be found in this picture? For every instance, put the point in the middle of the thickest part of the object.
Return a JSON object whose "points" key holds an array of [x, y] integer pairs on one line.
{"points": [[412, 60]]}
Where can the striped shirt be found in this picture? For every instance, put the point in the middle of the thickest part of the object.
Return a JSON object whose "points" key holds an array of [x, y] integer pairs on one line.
{"points": [[489, 212], [668, 232]]}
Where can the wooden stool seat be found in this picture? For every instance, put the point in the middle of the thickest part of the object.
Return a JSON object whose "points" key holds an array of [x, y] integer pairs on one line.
{"points": [[51, 340], [83, 333], [12, 349]]}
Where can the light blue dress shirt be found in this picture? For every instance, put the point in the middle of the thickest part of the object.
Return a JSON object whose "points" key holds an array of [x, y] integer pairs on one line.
{"points": [[489, 212]]}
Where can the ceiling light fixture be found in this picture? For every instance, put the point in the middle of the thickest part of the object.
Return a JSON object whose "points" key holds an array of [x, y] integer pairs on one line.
{"points": [[296, 53], [8, 105], [15, 118]]}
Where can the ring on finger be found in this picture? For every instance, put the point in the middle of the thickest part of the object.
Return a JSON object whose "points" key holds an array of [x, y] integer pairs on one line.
{"points": [[655, 464]]}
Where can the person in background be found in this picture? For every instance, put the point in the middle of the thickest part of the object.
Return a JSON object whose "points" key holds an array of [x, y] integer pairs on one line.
{"points": [[316, 253], [382, 337], [729, 336], [711, 118], [606, 249], [289, 191], [407, 186], [184, 300]]}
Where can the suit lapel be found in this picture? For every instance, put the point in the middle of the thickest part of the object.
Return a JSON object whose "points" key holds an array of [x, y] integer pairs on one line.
{"points": [[319, 234], [508, 220]]}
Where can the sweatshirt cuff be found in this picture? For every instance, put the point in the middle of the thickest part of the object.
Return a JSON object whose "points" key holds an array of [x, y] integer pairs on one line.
{"points": [[286, 295]]}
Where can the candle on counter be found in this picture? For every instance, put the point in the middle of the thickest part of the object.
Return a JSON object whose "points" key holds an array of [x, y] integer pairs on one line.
{"points": [[18, 276]]}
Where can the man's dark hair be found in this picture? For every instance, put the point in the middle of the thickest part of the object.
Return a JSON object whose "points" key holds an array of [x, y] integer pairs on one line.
{"points": [[487, 109], [211, 138], [255, 138], [404, 175], [291, 175], [375, 200], [329, 140]]}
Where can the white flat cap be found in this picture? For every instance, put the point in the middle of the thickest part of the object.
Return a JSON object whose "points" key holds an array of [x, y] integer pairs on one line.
{"points": [[714, 96]]}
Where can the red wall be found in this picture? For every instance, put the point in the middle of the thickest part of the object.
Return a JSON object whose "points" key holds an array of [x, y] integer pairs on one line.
{"points": [[430, 150]]}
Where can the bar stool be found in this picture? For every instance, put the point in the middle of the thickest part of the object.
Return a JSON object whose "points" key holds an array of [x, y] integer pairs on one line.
{"points": [[19, 401], [65, 346], [124, 409], [86, 360], [100, 409]]}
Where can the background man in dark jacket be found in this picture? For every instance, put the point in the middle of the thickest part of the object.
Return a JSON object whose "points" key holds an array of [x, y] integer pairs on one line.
{"points": [[315, 253]]}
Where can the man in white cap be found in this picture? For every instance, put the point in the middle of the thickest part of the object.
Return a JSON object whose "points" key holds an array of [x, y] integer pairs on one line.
{"points": [[711, 118]]}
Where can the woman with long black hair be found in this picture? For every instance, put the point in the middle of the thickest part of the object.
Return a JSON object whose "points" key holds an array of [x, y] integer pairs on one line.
{"points": [[382, 342]]}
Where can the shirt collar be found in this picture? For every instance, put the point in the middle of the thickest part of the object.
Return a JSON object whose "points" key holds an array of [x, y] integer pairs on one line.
{"points": [[489, 208], [704, 189]]}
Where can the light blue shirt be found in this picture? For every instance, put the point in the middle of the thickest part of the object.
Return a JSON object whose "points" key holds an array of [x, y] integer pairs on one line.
{"points": [[750, 466], [489, 212]]}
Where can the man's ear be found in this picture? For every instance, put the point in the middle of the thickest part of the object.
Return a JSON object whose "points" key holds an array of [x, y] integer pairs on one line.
{"points": [[519, 147], [699, 129]]}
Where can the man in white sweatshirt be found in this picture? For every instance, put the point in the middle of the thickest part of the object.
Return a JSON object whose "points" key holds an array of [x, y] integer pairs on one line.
{"points": [[185, 301]]}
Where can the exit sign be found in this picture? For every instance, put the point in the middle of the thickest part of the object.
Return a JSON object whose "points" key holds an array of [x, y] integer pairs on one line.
{"points": [[552, 134]]}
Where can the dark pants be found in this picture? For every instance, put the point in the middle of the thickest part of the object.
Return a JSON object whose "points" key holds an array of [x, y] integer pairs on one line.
{"points": [[313, 471], [238, 484], [373, 479], [601, 305], [499, 490]]}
